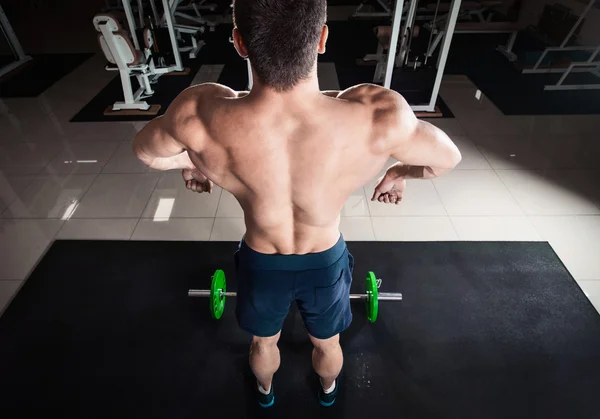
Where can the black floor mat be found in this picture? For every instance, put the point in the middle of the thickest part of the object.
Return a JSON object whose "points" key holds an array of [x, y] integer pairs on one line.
{"points": [[511, 91], [39, 74], [486, 330]]}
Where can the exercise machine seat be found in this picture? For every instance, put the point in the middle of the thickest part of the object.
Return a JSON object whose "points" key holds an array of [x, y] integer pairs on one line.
{"points": [[126, 50]]}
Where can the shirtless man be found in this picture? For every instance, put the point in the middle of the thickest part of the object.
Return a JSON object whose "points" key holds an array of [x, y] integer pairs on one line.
{"points": [[292, 155]]}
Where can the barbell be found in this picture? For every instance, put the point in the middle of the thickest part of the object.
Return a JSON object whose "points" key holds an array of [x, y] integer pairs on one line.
{"points": [[218, 293]]}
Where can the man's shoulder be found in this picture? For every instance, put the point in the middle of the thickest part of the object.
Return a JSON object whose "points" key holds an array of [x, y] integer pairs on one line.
{"points": [[216, 89], [372, 94], [191, 104], [205, 92], [386, 107]]}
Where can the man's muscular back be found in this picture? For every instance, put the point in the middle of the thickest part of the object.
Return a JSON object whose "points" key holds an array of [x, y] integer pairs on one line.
{"points": [[292, 164]]}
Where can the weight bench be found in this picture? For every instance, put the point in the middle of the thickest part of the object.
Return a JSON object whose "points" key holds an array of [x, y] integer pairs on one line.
{"points": [[511, 28], [124, 58]]}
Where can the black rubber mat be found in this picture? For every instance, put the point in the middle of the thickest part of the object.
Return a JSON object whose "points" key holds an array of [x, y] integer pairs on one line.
{"points": [[486, 330], [35, 76]]}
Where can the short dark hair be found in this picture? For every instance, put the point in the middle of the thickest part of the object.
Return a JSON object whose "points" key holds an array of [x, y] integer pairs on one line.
{"points": [[281, 37]]}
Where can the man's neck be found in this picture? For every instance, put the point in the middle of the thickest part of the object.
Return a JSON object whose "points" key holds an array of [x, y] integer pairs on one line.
{"points": [[305, 89]]}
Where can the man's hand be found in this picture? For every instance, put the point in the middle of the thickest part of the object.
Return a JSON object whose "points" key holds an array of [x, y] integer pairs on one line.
{"points": [[195, 181], [389, 189]]}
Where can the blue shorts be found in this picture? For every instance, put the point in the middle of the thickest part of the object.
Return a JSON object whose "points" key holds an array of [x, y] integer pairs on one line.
{"points": [[318, 282]]}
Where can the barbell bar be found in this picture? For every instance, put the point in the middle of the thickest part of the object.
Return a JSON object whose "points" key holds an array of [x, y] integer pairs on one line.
{"points": [[218, 293], [382, 296]]}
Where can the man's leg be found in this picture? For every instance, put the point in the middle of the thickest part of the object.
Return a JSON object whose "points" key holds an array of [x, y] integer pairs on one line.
{"points": [[264, 359], [327, 359]]}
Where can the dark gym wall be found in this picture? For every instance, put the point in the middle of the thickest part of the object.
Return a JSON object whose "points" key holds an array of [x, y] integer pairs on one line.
{"points": [[53, 26], [590, 32]]}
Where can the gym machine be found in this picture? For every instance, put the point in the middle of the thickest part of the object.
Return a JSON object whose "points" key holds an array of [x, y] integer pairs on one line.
{"points": [[383, 4], [180, 10], [20, 56], [590, 66], [130, 58], [400, 39]]}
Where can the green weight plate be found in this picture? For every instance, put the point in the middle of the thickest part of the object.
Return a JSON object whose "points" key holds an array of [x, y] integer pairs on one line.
{"points": [[217, 302], [372, 297]]}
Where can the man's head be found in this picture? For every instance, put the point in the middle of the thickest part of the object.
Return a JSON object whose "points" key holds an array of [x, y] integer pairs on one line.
{"points": [[281, 38]]}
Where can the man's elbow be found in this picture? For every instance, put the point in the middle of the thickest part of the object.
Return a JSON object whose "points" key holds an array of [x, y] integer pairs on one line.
{"points": [[456, 157], [138, 150], [451, 160]]}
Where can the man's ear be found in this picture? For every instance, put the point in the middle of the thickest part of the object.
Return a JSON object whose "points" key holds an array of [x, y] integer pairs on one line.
{"points": [[323, 40], [239, 44]]}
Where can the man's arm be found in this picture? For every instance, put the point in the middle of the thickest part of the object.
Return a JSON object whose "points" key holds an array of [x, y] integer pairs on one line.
{"points": [[156, 146], [160, 144], [164, 142], [423, 151]]}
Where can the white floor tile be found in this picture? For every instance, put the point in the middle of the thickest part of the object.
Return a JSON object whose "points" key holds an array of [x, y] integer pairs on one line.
{"points": [[575, 240], [26, 158], [82, 158], [328, 79], [357, 205], [124, 161], [8, 289], [11, 186], [472, 159], [208, 73], [475, 192], [516, 228], [540, 151], [171, 199], [516, 151], [420, 199], [22, 242], [197, 229], [455, 79], [229, 206], [478, 122], [138, 125], [450, 126], [50, 196], [31, 125], [228, 229], [97, 229], [413, 229], [357, 228], [100, 132], [592, 291], [573, 151], [559, 124], [550, 192], [117, 196], [466, 97]]}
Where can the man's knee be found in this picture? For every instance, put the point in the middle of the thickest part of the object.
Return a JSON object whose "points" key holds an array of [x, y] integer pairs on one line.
{"points": [[326, 345], [260, 344]]}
